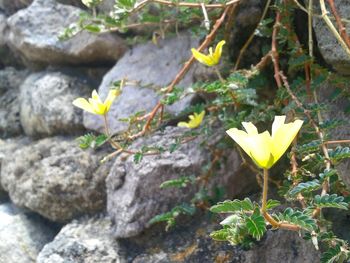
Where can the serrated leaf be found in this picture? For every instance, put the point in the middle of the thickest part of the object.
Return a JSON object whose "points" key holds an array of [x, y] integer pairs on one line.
{"points": [[305, 187], [229, 206], [272, 204], [256, 225], [297, 218], [220, 235], [330, 201]]}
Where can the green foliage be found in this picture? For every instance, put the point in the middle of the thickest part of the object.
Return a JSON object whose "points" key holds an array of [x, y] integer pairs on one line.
{"points": [[297, 218], [272, 204], [170, 217], [305, 187], [330, 201], [229, 206], [256, 224], [339, 154], [335, 255], [91, 141]]}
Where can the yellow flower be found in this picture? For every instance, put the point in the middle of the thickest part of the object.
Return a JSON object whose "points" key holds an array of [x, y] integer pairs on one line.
{"points": [[195, 120], [95, 105], [213, 58], [264, 149]]}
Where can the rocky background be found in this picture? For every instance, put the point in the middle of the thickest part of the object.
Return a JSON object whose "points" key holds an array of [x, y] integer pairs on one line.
{"points": [[58, 203]]}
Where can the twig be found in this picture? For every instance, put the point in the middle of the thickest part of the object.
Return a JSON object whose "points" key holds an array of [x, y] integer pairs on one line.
{"points": [[337, 142], [332, 28], [251, 37], [339, 22]]}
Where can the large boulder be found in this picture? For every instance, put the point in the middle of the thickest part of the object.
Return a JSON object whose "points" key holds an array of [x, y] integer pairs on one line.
{"points": [[33, 32], [46, 107], [55, 178], [10, 80], [133, 193], [86, 240], [148, 68], [22, 236], [329, 46]]}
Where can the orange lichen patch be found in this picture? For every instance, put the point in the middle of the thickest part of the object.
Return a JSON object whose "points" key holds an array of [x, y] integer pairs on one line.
{"points": [[181, 256]]}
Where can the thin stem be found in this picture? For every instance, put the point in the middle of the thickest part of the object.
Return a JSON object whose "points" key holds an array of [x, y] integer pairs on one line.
{"points": [[113, 143], [217, 71], [265, 190]]}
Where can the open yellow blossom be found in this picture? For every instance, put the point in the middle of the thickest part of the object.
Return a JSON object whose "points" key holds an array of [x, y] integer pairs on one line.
{"points": [[95, 105], [213, 58], [194, 122], [264, 149]]}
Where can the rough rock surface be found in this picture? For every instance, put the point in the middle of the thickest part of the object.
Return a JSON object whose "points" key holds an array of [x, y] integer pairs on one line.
{"points": [[337, 110], [191, 243], [46, 104], [329, 46], [12, 6], [133, 193], [55, 178], [10, 80], [147, 64], [21, 236], [3, 25], [33, 32], [87, 241]]}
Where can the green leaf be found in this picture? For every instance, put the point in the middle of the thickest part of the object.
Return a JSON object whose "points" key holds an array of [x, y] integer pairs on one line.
{"points": [[220, 235], [331, 201], [305, 187], [334, 255], [229, 206], [93, 28], [297, 218], [178, 183], [339, 153], [327, 173], [92, 141], [272, 204], [256, 225], [138, 157]]}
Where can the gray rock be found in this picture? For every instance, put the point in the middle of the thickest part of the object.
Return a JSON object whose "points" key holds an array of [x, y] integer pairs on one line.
{"points": [[46, 107], [146, 64], [33, 32], [55, 178], [3, 25], [133, 193], [329, 46], [84, 241], [10, 80], [21, 237], [337, 110], [12, 6]]}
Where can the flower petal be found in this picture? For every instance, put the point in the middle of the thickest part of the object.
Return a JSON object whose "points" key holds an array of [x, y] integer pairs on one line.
{"points": [[283, 137], [207, 60], [98, 107], [277, 124], [83, 104], [241, 138], [112, 94], [218, 51], [261, 150], [250, 128], [95, 96]]}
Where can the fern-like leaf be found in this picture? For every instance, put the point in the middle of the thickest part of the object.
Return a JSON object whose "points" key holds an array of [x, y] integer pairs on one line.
{"points": [[297, 218], [305, 187], [256, 225], [229, 206], [331, 201], [334, 255]]}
